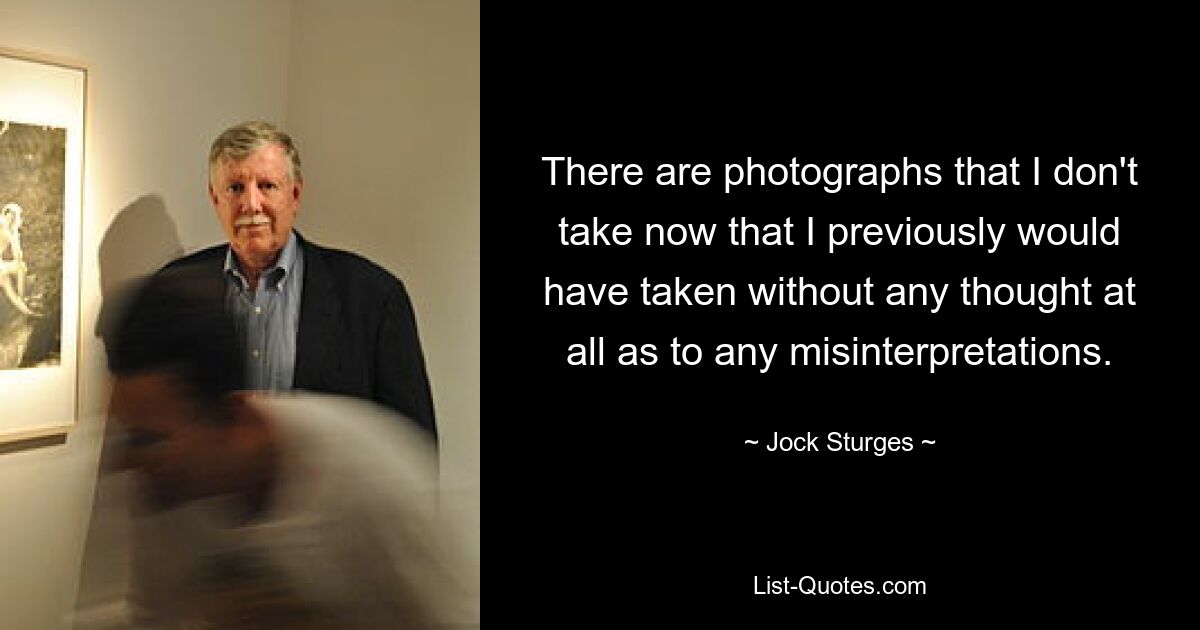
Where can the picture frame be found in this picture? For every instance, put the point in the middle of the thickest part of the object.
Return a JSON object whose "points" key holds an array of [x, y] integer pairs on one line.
{"points": [[43, 113]]}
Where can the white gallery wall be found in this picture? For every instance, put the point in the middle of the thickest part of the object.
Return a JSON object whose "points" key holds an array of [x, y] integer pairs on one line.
{"points": [[383, 98]]}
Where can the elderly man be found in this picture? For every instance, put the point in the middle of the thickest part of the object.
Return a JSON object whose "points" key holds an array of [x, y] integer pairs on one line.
{"points": [[309, 317]]}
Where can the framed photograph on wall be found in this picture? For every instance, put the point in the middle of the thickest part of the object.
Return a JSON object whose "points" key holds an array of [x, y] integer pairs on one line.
{"points": [[43, 104]]}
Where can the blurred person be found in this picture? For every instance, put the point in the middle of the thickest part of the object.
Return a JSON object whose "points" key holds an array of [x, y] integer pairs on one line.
{"points": [[260, 510], [310, 317]]}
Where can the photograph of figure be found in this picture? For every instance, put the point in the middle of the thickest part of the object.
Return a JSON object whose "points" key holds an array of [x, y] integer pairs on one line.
{"points": [[32, 168]]}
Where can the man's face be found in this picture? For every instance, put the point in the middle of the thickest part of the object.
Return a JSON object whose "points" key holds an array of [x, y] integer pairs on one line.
{"points": [[179, 457], [256, 201]]}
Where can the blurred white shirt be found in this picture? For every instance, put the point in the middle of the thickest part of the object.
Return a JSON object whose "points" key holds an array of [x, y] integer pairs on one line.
{"points": [[353, 536]]}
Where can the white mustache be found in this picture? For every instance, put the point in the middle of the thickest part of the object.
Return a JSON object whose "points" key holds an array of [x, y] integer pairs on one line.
{"points": [[254, 219]]}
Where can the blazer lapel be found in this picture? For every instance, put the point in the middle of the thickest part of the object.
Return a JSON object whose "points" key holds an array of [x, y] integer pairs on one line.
{"points": [[315, 352]]}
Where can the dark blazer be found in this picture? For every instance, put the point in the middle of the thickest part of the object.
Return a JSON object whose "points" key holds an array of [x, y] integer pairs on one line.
{"points": [[358, 333]]}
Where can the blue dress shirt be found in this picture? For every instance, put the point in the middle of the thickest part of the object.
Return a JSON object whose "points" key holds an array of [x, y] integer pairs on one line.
{"points": [[268, 318]]}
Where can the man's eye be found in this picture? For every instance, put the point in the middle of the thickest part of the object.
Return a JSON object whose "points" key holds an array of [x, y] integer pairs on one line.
{"points": [[235, 188], [268, 186], [141, 439]]}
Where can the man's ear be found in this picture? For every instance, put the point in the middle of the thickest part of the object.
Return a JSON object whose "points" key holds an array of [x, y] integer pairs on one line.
{"points": [[237, 405], [242, 412], [297, 188], [212, 194]]}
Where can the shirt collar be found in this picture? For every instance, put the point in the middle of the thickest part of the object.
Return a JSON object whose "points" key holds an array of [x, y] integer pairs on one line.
{"points": [[274, 275]]}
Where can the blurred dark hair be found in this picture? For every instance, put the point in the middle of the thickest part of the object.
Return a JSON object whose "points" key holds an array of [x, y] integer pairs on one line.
{"points": [[176, 320]]}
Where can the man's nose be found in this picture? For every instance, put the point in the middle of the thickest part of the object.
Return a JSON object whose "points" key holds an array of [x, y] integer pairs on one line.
{"points": [[254, 199]]}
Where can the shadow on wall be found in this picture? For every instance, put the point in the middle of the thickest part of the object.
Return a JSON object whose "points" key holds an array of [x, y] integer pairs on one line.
{"points": [[141, 239]]}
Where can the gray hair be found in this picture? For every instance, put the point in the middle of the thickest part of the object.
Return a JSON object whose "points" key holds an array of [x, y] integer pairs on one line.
{"points": [[239, 141]]}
